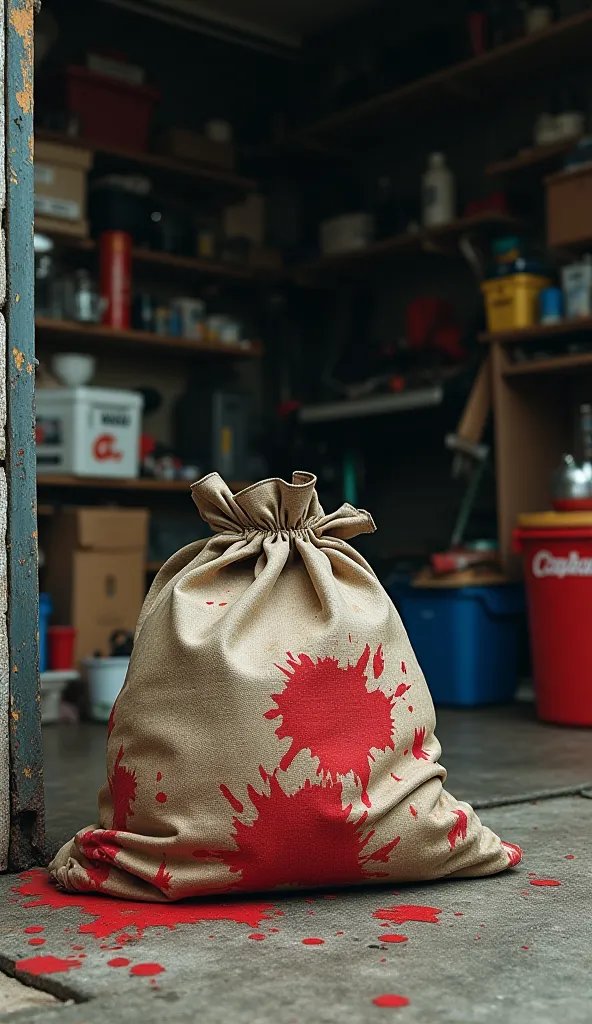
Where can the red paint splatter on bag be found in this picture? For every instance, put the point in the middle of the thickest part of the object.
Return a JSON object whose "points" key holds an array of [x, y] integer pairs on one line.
{"points": [[118, 961], [413, 810], [514, 853], [401, 689], [158, 776], [146, 970], [223, 604], [100, 849], [123, 786], [128, 919], [391, 1001], [393, 938], [378, 663], [397, 778], [163, 878], [418, 752], [209, 602], [544, 881], [458, 830], [314, 720], [313, 942], [410, 708], [232, 800], [304, 839], [161, 798], [47, 965], [403, 668], [408, 912]]}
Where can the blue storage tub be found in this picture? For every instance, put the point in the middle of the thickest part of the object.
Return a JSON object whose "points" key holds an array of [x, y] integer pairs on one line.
{"points": [[45, 610], [466, 640]]}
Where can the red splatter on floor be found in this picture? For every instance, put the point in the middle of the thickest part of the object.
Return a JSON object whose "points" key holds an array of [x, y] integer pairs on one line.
{"points": [[393, 938], [514, 853], [418, 752], [129, 919], [410, 707], [544, 881], [459, 830], [146, 970], [36, 942], [408, 912], [569, 856], [257, 936], [34, 928], [526, 947], [413, 810], [313, 942], [123, 788], [161, 797], [118, 961], [401, 689], [458, 913], [378, 663], [390, 1001], [313, 720], [340, 933], [47, 965], [274, 929], [222, 604], [209, 602], [303, 839], [79, 947], [232, 800]]}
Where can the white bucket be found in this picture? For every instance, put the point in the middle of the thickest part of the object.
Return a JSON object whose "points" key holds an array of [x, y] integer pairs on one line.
{"points": [[105, 676]]}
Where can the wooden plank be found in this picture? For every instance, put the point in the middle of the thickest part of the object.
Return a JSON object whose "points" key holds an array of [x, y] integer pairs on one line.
{"points": [[559, 364], [27, 834], [170, 261], [538, 332], [532, 159], [93, 334], [140, 484]]}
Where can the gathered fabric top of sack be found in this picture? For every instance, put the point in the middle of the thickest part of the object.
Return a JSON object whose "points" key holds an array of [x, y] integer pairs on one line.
{"points": [[275, 729]]}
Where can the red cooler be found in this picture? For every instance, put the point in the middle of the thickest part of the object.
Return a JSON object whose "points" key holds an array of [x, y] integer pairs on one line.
{"points": [[557, 554]]}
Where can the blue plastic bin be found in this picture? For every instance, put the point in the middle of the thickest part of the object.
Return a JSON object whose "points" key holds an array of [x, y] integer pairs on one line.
{"points": [[45, 610], [466, 641]]}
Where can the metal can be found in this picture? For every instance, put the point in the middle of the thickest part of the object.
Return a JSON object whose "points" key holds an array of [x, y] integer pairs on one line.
{"points": [[115, 253]]}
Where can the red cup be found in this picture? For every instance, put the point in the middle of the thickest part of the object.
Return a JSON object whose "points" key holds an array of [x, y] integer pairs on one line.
{"points": [[61, 647]]}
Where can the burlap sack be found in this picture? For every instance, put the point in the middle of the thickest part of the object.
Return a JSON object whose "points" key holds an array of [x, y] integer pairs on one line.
{"points": [[275, 728]]}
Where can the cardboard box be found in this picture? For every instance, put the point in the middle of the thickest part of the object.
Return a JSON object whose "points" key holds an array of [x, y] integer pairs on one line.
{"points": [[569, 207], [60, 188], [197, 149], [96, 561]]}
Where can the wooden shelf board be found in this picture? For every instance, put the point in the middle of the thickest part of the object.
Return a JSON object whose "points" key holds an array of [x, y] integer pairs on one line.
{"points": [[535, 158], [205, 174], [559, 364], [48, 329], [469, 85], [425, 239], [538, 332], [139, 484]]}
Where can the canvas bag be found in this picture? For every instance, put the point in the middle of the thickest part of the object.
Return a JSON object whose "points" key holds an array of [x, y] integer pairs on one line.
{"points": [[275, 729]]}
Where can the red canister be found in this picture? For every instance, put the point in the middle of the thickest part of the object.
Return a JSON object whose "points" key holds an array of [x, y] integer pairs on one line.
{"points": [[557, 557], [61, 647], [115, 250]]}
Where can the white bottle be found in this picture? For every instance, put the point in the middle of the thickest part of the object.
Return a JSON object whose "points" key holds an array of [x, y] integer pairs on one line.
{"points": [[438, 192]]}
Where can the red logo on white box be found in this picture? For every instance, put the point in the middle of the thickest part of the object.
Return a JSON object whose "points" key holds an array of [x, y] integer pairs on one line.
{"points": [[104, 448]]}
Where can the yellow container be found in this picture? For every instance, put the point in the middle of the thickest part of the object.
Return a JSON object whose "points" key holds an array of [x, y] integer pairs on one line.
{"points": [[512, 301]]}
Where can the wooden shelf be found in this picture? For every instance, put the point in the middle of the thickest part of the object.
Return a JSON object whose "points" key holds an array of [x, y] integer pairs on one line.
{"points": [[97, 336], [531, 160], [471, 85], [425, 240], [203, 175], [539, 332], [559, 364], [140, 484]]}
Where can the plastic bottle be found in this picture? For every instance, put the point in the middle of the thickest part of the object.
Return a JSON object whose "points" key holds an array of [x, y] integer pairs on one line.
{"points": [[438, 192]]}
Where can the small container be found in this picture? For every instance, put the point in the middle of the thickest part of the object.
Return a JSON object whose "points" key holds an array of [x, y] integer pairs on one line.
{"points": [[551, 305], [438, 192], [106, 677], [115, 257], [576, 281], [537, 18], [512, 302], [45, 610], [61, 641]]}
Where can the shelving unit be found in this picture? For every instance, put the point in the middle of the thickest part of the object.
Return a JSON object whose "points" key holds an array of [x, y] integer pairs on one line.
{"points": [[140, 484], [539, 332], [534, 160], [96, 336]]}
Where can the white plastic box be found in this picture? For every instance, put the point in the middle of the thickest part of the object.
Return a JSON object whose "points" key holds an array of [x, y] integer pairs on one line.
{"points": [[88, 431]]}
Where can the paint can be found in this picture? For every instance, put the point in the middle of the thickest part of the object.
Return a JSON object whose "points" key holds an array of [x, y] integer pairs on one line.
{"points": [[115, 257], [105, 677]]}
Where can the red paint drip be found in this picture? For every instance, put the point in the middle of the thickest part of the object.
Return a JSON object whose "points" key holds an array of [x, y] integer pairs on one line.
{"points": [[209, 602], [307, 705], [544, 881], [257, 936], [390, 1001], [413, 810], [232, 800], [34, 928], [129, 919], [146, 970], [569, 856], [223, 604], [158, 776], [459, 830], [418, 752], [393, 938], [123, 786], [161, 797], [163, 878], [118, 961], [410, 708], [401, 689], [313, 942], [378, 663], [514, 853], [287, 842], [36, 942], [46, 965], [403, 668], [397, 778], [408, 912]]}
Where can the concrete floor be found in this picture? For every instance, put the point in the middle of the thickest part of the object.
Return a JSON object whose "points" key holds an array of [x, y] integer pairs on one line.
{"points": [[502, 948]]}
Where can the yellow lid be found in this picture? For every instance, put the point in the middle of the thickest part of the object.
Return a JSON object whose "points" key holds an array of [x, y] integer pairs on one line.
{"points": [[554, 520]]}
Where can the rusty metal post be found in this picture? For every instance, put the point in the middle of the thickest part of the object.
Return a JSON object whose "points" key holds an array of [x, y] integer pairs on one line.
{"points": [[26, 759]]}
